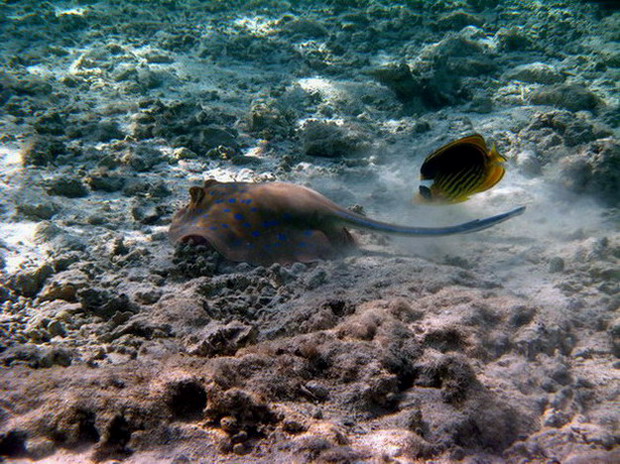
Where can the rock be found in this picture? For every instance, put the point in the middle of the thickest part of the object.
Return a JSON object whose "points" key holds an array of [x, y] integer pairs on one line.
{"points": [[575, 129], [40, 151], [573, 97], [150, 79], [48, 232], [105, 181], [441, 67], [103, 303], [218, 339], [240, 410], [594, 457], [29, 283], [303, 28], [614, 335], [556, 264], [103, 131], [538, 73], [40, 448], [594, 170], [514, 39], [38, 210], [326, 139], [148, 296], [158, 57], [400, 80], [183, 153], [457, 20], [65, 286], [146, 212], [56, 357], [31, 85], [269, 119], [52, 123], [316, 279], [142, 157], [215, 136], [66, 186], [555, 419], [529, 164], [36, 357], [135, 187], [187, 124]]}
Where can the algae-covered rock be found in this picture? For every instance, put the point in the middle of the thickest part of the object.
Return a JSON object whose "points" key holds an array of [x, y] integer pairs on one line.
{"points": [[42, 150], [270, 119], [539, 73], [573, 97], [330, 140], [38, 210], [595, 170], [105, 181], [303, 28], [66, 186], [457, 20]]}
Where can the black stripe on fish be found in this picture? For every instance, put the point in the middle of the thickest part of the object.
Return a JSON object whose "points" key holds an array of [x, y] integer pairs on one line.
{"points": [[476, 176], [455, 186]]}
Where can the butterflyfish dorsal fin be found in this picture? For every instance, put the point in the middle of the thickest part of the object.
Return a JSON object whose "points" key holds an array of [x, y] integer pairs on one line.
{"points": [[474, 139]]}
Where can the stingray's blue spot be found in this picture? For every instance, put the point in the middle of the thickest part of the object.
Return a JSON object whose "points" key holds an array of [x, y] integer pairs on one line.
{"points": [[302, 244], [271, 223], [225, 226], [247, 224], [255, 233], [287, 216], [213, 227], [227, 210], [247, 201], [276, 244], [239, 216], [282, 237], [232, 200], [267, 246], [212, 192], [219, 200], [254, 209], [308, 233]]}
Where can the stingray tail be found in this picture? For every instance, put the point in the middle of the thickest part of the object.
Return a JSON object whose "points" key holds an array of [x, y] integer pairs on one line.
{"points": [[355, 220]]}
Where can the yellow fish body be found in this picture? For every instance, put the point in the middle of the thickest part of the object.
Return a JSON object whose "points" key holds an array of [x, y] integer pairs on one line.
{"points": [[460, 169]]}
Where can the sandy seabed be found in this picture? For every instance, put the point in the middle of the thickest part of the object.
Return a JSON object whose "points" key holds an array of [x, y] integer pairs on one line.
{"points": [[496, 347]]}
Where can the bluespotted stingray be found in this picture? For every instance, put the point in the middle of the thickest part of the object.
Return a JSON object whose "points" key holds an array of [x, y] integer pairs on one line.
{"points": [[277, 222]]}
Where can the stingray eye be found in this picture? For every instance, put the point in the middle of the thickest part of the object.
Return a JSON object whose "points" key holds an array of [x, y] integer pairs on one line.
{"points": [[196, 194]]}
